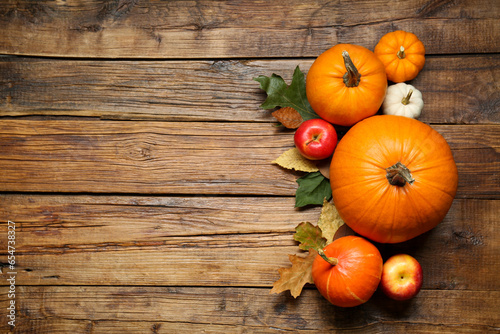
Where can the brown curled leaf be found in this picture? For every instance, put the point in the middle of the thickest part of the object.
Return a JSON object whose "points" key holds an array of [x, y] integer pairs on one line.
{"points": [[289, 117]]}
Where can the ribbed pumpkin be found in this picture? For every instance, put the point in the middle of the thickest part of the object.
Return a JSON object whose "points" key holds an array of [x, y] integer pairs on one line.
{"points": [[403, 55], [349, 271], [346, 84], [393, 178]]}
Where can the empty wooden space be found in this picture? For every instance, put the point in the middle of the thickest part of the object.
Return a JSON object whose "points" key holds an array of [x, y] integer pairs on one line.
{"points": [[138, 167]]}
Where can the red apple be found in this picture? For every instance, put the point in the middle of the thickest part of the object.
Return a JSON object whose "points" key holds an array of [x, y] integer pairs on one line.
{"points": [[401, 277], [316, 139]]}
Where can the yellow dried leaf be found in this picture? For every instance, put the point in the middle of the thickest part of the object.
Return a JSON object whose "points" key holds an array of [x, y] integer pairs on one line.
{"points": [[329, 221], [298, 275], [292, 159]]}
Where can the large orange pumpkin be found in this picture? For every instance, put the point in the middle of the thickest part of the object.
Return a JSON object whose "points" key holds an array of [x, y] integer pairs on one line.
{"points": [[346, 84], [349, 271], [403, 55], [393, 178]]}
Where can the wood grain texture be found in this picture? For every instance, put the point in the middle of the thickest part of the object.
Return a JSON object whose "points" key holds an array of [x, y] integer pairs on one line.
{"points": [[137, 165], [243, 310], [191, 158], [214, 241], [463, 90], [222, 29]]}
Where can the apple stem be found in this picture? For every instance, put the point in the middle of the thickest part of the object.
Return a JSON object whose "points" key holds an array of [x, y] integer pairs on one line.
{"points": [[314, 138], [331, 260]]}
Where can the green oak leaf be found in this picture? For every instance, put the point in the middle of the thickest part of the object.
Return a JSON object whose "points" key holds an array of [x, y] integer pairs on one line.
{"points": [[313, 189], [279, 94]]}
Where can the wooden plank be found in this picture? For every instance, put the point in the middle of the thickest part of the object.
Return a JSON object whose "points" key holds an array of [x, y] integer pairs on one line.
{"points": [[220, 29], [218, 90], [243, 310], [50, 325], [190, 158], [90, 220], [214, 241], [476, 151]]}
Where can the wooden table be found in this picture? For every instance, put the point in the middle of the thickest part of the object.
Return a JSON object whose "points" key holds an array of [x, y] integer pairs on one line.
{"points": [[136, 165]]}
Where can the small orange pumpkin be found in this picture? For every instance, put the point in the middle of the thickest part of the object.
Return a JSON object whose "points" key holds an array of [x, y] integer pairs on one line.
{"points": [[402, 54], [393, 178], [346, 84], [348, 271]]}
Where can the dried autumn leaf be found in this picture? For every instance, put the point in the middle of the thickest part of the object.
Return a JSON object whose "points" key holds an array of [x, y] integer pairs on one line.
{"points": [[324, 167], [295, 277], [343, 231], [309, 236], [289, 117], [292, 159], [329, 221]]}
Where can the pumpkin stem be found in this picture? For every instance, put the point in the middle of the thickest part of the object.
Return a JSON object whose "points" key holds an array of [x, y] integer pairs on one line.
{"points": [[398, 175], [406, 99], [352, 76], [333, 261], [401, 53]]}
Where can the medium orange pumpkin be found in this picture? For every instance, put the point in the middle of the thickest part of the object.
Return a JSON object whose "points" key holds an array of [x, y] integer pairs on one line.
{"points": [[393, 178], [348, 272], [403, 55], [346, 84]]}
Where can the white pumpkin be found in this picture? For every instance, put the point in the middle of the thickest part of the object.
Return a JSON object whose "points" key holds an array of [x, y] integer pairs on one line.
{"points": [[403, 100]]}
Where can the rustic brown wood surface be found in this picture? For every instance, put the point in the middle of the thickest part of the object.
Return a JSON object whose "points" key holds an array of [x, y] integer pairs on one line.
{"points": [[228, 29], [137, 165], [219, 90]]}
